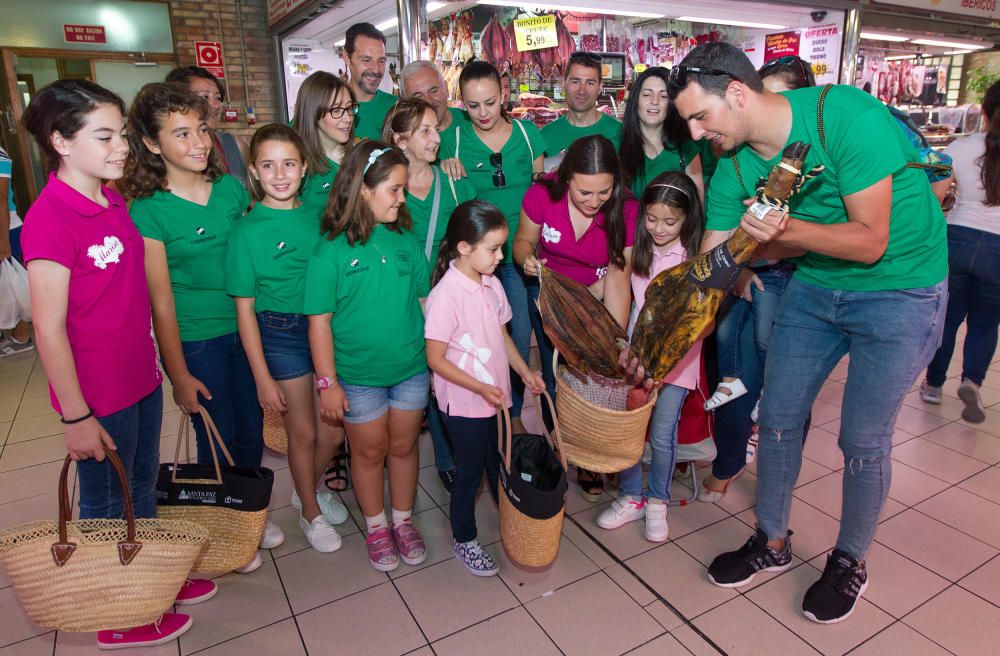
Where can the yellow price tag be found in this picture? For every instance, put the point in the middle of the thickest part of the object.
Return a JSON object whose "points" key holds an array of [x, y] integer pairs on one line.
{"points": [[640, 68], [524, 88], [535, 33]]}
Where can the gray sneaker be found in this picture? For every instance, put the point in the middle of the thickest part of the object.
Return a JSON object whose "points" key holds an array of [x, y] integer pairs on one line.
{"points": [[929, 393], [10, 346], [974, 412]]}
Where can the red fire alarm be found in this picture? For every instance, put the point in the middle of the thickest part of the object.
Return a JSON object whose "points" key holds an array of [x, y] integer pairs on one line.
{"points": [[230, 115]]}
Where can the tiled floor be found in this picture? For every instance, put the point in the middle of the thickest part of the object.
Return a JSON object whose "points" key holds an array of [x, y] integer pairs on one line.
{"points": [[935, 566]]}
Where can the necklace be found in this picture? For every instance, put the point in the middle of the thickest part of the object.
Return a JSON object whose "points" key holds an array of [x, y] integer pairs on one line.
{"points": [[379, 251]]}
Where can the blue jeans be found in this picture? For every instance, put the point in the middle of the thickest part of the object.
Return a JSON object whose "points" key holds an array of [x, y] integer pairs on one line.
{"points": [[889, 336], [136, 432], [222, 366], [729, 324], [368, 403], [663, 441], [732, 420], [973, 297], [475, 441], [516, 285], [443, 458]]}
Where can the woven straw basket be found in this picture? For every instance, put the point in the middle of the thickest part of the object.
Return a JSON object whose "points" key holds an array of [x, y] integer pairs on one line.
{"points": [[97, 574], [599, 433], [275, 436], [233, 535], [528, 541]]}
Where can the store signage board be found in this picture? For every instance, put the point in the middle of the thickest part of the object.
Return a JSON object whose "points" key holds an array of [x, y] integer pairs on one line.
{"points": [[820, 46], [278, 9], [84, 34], [536, 33], [968, 8], [208, 55], [781, 44]]}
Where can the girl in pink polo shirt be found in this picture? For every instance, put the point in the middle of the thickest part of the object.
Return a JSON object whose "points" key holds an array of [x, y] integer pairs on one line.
{"points": [[471, 355], [668, 232], [92, 316]]}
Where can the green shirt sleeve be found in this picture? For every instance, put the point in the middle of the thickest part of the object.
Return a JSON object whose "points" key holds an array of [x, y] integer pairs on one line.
{"points": [[690, 150], [725, 198], [464, 190], [447, 148], [241, 279], [860, 150], [322, 279], [146, 220]]}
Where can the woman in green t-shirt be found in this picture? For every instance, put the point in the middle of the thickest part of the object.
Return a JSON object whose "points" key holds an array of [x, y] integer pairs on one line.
{"points": [[324, 117], [185, 208], [654, 138]]}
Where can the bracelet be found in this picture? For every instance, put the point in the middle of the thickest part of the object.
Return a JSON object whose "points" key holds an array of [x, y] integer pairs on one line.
{"points": [[85, 417]]}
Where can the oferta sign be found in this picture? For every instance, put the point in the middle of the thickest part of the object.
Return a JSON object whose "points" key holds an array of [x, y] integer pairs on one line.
{"points": [[967, 8]]}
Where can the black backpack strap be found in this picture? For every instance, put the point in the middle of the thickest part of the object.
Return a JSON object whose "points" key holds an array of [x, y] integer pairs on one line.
{"points": [[819, 116]]}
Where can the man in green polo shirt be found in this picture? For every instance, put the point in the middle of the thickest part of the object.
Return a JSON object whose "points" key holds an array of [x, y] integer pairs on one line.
{"points": [[871, 283], [364, 54], [422, 79], [583, 85]]}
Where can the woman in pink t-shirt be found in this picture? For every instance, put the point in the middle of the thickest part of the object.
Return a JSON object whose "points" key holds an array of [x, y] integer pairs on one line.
{"points": [[580, 222], [92, 315], [471, 356]]}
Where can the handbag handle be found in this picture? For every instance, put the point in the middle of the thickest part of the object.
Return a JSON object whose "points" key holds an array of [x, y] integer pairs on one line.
{"points": [[184, 435], [503, 421], [63, 549]]}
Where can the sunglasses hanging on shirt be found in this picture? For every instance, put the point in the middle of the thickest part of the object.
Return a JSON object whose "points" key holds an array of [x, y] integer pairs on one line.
{"points": [[499, 179]]}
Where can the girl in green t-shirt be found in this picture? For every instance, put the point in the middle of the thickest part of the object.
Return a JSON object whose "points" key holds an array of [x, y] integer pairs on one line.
{"points": [[364, 283], [324, 117], [266, 274], [654, 138], [185, 208]]}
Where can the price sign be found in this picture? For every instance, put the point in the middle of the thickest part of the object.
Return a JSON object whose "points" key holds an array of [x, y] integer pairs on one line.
{"points": [[536, 33]]}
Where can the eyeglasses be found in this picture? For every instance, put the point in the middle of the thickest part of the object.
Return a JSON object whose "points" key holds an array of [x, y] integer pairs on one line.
{"points": [[678, 76], [789, 60], [499, 179], [338, 112]]}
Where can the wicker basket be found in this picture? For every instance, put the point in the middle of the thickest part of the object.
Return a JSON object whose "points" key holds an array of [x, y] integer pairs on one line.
{"points": [[97, 574], [599, 433], [529, 541], [275, 436], [233, 535]]}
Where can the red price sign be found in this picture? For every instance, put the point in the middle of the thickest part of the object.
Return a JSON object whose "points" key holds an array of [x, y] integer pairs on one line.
{"points": [[208, 55], [84, 34]]}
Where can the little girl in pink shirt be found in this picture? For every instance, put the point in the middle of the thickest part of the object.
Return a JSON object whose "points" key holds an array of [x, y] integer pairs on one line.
{"points": [[471, 355], [668, 232]]}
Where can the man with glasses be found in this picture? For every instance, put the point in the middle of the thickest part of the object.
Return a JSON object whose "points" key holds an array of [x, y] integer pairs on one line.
{"points": [[422, 79], [364, 54], [870, 284], [582, 86]]}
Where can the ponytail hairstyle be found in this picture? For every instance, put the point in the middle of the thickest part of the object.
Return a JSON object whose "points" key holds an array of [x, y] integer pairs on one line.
{"points": [[404, 118], [318, 92], [145, 171], [63, 107], [470, 222], [592, 155], [272, 132], [677, 190], [346, 211], [478, 69], [990, 161]]}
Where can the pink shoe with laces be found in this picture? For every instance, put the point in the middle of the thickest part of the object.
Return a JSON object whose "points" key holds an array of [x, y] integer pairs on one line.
{"points": [[169, 627], [410, 544], [382, 550], [196, 591]]}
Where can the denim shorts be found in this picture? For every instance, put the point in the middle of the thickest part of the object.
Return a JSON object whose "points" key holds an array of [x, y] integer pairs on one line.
{"points": [[285, 338], [370, 403]]}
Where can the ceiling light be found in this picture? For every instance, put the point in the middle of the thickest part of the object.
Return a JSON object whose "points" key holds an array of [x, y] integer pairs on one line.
{"points": [[736, 23], [962, 45], [568, 7], [884, 37], [899, 57], [958, 52], [385, 25]]}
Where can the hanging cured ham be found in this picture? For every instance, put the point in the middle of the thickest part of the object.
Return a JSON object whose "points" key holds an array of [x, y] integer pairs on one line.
{"points": [[495, 45]]}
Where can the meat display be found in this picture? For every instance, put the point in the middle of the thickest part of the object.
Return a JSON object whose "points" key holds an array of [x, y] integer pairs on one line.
{"points": [[495, 45], [533, 100], [565, 47]]}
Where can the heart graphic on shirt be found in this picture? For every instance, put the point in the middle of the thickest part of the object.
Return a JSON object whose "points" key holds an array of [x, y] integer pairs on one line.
{"points": [[550, 234], [108, 253]]}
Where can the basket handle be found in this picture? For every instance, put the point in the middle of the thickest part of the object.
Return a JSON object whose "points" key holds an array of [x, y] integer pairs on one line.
{"points": [[184, 435], [554, 438], [63, 549]]}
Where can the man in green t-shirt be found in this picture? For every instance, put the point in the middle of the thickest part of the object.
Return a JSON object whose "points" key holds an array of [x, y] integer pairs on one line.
{"points": [[364, 54], [582, 86], [870, 284], [422, 79]]}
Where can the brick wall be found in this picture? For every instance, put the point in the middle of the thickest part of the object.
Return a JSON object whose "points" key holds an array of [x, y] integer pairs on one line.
{"points": [[195, 20]]}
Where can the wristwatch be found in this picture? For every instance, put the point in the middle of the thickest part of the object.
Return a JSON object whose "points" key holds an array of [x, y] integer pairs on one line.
{"points": [[323, 383]]}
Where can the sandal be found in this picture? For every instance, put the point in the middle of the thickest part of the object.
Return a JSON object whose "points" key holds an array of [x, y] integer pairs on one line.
{"points": [[735, 389], [590, 484], [708, 495], [336, 477]]}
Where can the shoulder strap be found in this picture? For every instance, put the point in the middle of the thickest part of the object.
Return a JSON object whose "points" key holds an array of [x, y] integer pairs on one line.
{"points": [[458, 138], [819, 116], [454, 194], [736, 167], [526, 139], [435, 210]]}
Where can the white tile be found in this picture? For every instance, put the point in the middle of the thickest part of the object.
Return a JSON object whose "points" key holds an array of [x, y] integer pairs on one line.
{"points": [[512, 632], [918, 422], [959, 621], [911, 486], [680, 579], [968, 441], [665, 645], [740, 627], [33, 452], [897, 584], [899, 640], [15, 625], [966, 512], [263, 641], [570, 565], [632, 585], [937, 460], [29, 481], [821, 446], [42, 645], [936, 546], [985, 484], [985, 581]]}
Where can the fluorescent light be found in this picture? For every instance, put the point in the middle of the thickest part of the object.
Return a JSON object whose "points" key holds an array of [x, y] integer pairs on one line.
{"points": [[384, 25], [568, 7], [884, 37], [961, 45], [434, 6], [958, 52], [340, 43], [899, 57], [736, 23]]}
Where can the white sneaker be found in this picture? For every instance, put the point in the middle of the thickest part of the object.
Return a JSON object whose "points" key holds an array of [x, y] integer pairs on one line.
{"points": [[334, 511], [657, 529], [252, 566], [320, 533], [622, 511], [273, 536], [930, 394]]}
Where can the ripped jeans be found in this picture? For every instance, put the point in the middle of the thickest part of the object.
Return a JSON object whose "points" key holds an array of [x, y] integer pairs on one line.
{"points": [[890, 336]]}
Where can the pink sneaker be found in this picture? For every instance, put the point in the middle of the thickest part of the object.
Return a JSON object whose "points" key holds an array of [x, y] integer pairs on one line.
{"points": [[169, 627], [196, 591], [382, 551], [410, 544]]}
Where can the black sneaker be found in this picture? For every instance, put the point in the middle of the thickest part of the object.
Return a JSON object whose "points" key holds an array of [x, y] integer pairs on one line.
{"points": [[737, 568], [832, 599], [447, 477]]}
